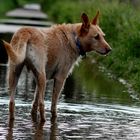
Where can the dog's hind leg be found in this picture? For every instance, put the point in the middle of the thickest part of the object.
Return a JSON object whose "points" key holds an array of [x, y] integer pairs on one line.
{"points": [[13, 76], [39, 96]]}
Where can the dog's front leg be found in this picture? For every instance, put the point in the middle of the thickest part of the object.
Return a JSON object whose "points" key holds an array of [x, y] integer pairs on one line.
{"points": [[58, 85]]}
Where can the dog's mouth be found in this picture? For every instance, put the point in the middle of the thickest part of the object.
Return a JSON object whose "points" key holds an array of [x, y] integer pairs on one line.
{"points": [[105, 52]]}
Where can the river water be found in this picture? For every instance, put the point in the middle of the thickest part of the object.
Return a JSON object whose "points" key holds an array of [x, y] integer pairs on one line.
{"points": [[93, 106]]}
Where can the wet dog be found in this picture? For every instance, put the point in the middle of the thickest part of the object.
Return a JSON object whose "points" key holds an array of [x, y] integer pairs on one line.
{"points": [[51, 53]]}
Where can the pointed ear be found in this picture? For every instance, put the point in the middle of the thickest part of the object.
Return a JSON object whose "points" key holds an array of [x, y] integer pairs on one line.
{"points": [[85, 24], [95, 19]]}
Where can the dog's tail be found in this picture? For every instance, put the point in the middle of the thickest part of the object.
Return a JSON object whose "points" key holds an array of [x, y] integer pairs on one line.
{"points": [[14, 56]]}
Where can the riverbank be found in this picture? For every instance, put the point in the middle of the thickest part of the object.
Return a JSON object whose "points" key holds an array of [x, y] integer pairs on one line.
{"points": [[120, 22]]}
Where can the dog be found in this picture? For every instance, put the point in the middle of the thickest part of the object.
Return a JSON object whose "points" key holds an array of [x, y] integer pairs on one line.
{"points": [[51, 53]]}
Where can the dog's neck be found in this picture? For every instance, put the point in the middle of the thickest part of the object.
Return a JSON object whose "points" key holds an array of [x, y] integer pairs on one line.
{"points": [[70, 32], [72, 29], [79, 46]]}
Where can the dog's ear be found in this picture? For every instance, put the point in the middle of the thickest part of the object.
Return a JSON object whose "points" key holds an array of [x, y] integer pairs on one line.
{"points": [[85, 24], [95, 20]]}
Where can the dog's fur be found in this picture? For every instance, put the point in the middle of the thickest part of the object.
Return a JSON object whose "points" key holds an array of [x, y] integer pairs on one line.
{"points": [[51, 54]]}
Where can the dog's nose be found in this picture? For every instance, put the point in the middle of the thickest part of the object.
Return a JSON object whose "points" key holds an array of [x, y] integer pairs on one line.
{"points": [[108, 49]]}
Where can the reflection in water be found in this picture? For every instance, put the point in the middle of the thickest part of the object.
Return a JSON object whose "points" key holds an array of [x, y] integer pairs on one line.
{"points": [[54, 134], [9, 135], [96, 86], [39, 132], [91, 107]]}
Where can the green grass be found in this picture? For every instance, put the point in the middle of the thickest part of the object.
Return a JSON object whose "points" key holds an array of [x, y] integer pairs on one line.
{"points": [[5, 5], [23, 2], [121, 24]]}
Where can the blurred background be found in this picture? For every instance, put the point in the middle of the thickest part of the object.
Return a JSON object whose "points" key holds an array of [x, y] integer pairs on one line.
{"points": [[119, 19], [101, 98]]}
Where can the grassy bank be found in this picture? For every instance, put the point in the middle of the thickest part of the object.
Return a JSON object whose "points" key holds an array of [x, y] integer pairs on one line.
{"points": [[6, 5], [120, 22]]}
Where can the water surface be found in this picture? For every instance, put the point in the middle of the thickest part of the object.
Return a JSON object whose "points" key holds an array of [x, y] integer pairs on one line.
{"points": [[92, 107]]}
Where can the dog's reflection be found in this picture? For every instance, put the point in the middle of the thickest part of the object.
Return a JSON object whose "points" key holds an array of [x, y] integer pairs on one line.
{"points": [[41, 134], [54, 129], [38, 127], [9, 135]]}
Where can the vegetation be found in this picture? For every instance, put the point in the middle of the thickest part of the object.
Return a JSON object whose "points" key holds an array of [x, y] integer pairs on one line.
{"points": [[5, 5], [120, 22]]}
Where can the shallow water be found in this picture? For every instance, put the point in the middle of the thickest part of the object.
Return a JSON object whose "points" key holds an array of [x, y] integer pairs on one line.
{"points": [[105, 111]]}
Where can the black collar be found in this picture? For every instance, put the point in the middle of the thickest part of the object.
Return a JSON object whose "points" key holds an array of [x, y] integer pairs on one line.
{"points": [[79, 46]]}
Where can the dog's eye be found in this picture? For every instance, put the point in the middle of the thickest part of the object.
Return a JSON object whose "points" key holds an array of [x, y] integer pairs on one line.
{"points": [[96, 36]]}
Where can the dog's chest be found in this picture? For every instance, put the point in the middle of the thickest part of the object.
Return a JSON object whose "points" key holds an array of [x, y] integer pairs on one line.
{"points": [[60, 66]]}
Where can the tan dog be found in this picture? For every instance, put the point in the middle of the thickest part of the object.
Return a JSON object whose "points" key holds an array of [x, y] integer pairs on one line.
{"points": [[51, 54]]}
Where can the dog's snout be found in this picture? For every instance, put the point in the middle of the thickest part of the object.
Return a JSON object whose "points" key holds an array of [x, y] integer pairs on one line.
{"points": [[108, 49]]}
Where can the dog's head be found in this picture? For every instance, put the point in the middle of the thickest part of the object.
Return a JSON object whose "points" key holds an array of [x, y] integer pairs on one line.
{"points": [[92, 37]]}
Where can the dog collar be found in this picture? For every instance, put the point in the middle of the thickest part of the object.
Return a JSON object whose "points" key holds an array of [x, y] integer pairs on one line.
{"points": [[79, 46]]}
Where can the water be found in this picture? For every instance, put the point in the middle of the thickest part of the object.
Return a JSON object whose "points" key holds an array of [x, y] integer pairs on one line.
{"points": [[92, 107]]}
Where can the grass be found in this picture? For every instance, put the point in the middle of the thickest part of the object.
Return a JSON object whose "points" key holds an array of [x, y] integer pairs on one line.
{"points": [[5, 5], [120, 22]]}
